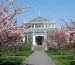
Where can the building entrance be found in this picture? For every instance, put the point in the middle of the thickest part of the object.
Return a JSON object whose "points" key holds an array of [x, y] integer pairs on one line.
{"points": [[39, 40]]}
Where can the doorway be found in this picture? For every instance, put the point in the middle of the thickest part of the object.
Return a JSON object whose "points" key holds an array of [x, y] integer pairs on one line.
{"points": [[39, 40]]}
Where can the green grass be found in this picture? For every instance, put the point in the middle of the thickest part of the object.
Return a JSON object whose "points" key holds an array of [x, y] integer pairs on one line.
{"points": [[15, 58], [59, 59], [62, 62]]}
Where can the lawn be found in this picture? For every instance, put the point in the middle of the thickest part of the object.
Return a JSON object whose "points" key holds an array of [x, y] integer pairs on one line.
{"points": [[61, 59], [15, 58]]}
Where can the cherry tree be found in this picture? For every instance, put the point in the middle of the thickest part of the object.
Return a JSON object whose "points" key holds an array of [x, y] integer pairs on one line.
{"points": [[10, 33], [56, 38], [69, 30], [70, 33]]}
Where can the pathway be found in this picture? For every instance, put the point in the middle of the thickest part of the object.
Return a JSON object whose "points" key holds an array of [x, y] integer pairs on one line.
{"points": [[38, 58]]}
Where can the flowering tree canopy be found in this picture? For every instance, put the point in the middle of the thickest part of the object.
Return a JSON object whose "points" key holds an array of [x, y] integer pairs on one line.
{"points": [[10, 33], [70, 33], [56, 38]]}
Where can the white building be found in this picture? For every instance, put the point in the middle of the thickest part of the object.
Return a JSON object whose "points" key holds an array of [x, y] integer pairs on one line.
{"points": [[38, 30]]}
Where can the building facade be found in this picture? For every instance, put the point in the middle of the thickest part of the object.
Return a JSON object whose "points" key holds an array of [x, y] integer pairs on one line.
{"points": [[39, 27]]}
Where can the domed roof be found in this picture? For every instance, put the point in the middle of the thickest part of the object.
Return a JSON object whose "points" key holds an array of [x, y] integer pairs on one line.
{"points": [[38, 19]]}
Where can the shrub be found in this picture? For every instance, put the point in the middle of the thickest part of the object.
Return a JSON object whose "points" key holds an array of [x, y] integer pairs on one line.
{"points": [[10, 63], [72, 62]]}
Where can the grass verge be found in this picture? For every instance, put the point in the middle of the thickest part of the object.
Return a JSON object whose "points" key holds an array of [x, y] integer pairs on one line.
{"points": [[15, 58], [64, 59]]}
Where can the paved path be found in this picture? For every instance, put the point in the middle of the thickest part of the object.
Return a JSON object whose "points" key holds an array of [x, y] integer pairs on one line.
{"points": [[38, 58]]}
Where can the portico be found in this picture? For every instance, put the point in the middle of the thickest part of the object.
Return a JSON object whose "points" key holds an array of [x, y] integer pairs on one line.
{"points": [[38, 40]]}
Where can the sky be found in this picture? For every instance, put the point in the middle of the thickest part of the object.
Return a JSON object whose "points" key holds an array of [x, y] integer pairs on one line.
{"points": [[50, 9]]}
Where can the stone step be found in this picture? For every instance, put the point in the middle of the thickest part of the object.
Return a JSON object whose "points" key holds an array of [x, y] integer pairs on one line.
{"points": [[39, 48]]}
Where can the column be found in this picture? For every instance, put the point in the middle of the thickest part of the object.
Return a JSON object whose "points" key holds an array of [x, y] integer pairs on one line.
{"points": [[44, 26], [34, 25], [24, 39], [34, 41]]}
